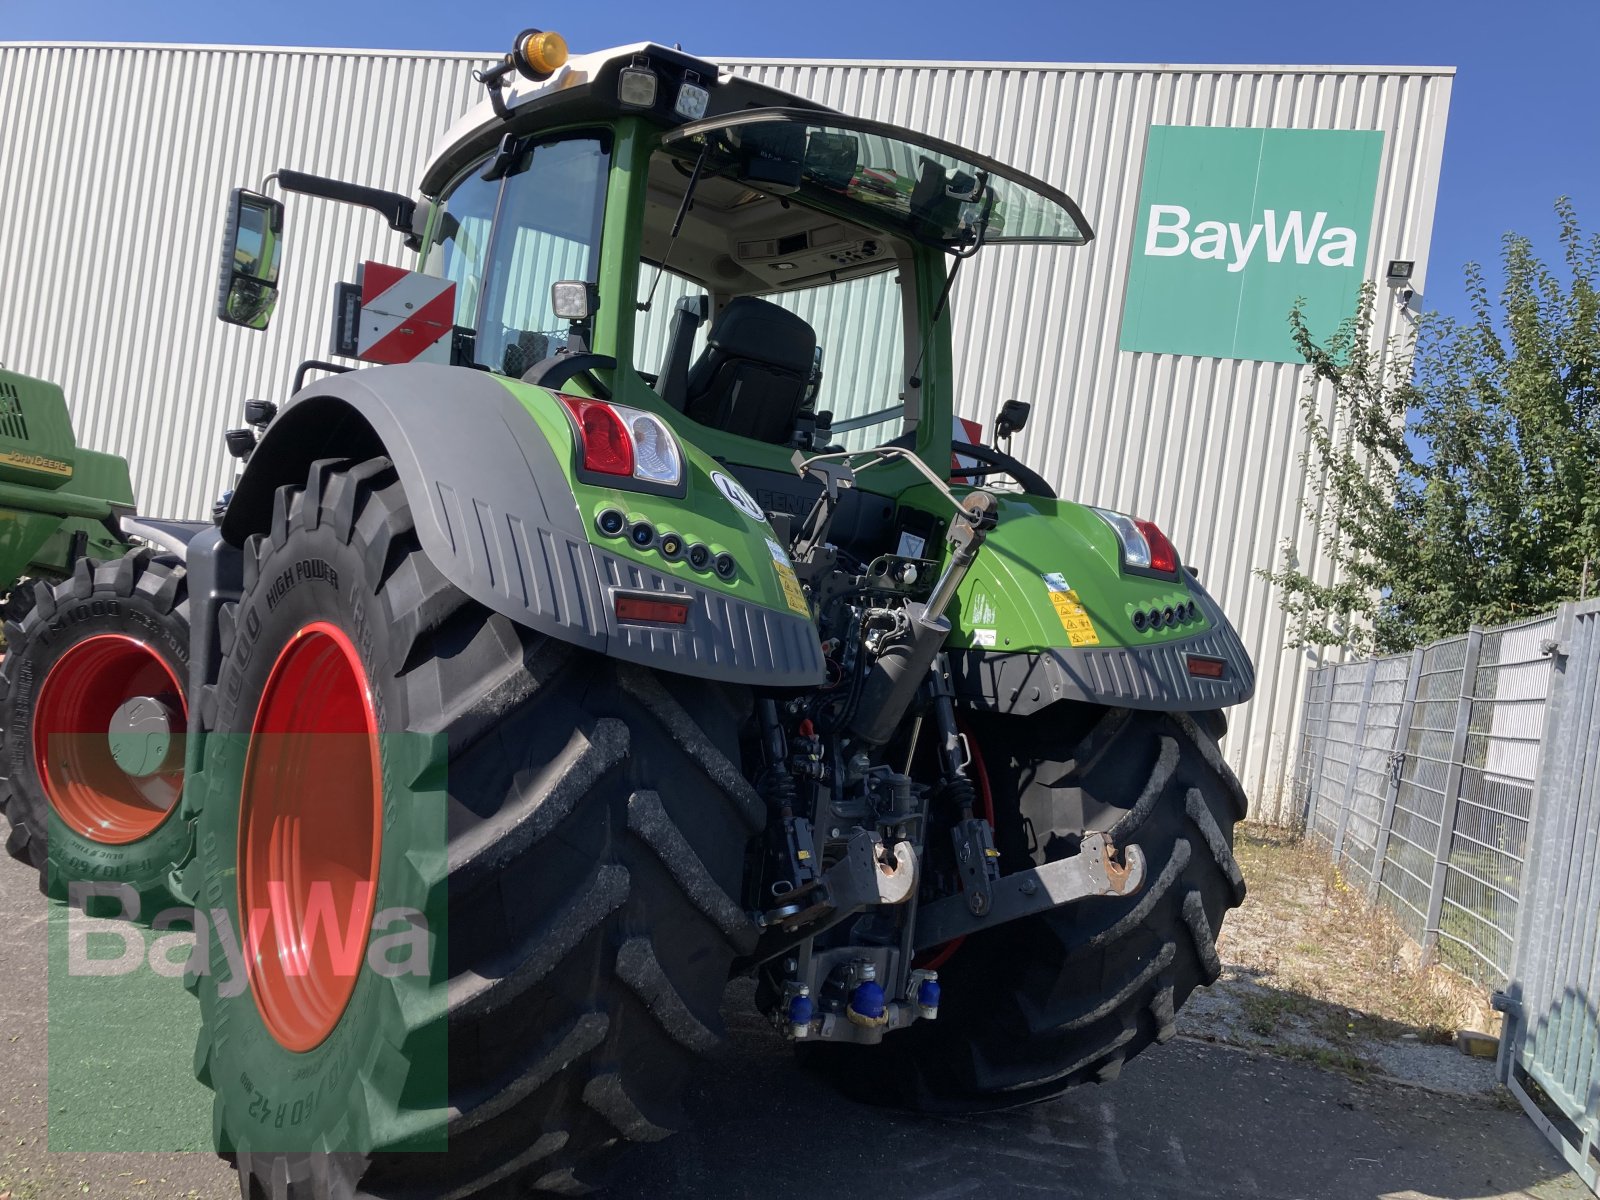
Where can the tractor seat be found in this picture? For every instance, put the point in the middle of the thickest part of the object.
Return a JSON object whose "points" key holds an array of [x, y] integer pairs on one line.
{"points": [[751, 377]]}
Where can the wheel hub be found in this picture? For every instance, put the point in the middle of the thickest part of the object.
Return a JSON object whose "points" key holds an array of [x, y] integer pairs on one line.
{"points": [[141, 736]]}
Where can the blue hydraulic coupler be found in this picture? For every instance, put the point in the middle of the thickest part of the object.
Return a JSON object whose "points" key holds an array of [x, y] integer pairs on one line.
{"points": [[928, 996], [800, 1014], [866, 1004]]}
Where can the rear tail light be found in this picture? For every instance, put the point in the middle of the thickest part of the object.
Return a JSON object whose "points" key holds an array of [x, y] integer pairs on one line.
{"points": [[1145, 549], [1204, 667], [625, 442], [1162, 556]]}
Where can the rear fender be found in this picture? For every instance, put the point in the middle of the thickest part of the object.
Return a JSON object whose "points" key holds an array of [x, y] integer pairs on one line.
{"points": [[1047, 613], [488, 471]]}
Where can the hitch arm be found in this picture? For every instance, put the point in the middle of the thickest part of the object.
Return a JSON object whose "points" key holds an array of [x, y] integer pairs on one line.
{"points": [[1092, 871]]}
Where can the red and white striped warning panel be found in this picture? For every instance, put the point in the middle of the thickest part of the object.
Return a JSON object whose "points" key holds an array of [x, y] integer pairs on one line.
{"points": [[970, 432], [405, 316]]}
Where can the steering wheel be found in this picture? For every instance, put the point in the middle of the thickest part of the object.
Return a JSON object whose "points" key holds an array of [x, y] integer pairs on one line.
{"points": [[997, 462]]}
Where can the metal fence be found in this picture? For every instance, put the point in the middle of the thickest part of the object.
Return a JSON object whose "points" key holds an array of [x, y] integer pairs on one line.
{"points": [[1417, 771], [1459, 785]]}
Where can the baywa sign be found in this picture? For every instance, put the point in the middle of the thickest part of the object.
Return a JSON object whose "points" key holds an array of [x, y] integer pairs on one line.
{"points": [[1235, 225]]}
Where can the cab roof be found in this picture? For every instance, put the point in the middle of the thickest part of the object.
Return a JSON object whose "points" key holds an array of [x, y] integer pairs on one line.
{"points": [[586, 87]]}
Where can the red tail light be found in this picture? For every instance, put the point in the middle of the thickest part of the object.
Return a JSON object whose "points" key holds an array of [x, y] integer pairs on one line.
{"points": [[607, 448], [1162, 556], [1145, 549]]}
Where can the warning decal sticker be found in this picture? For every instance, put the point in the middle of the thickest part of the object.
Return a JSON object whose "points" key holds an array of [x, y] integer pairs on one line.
{"points": [[787, 579], [1074, 618]]}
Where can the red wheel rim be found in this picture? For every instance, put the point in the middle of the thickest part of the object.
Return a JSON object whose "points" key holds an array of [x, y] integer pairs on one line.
{"points": [[310, 836], [73, 754]]}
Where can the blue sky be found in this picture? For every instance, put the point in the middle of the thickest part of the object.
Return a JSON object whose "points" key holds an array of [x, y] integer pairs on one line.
{"points": [[1524, 120]]}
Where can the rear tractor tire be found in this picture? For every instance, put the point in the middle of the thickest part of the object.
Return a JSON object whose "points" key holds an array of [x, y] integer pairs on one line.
{"points": [[1067, 996], [93, 714], [583, 820]]}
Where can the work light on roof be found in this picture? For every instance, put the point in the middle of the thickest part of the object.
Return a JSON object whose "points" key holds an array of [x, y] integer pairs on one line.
{"points": [[637, 84], [692, 98]]}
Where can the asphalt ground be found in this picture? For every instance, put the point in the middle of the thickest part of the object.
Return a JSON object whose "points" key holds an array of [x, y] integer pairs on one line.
{"points": [[1189, 1119]]}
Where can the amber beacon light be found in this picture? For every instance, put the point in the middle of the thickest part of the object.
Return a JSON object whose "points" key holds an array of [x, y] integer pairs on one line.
{"points": [[538, 54]]}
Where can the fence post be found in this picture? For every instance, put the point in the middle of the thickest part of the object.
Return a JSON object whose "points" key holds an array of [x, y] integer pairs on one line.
{"points": [[1357, 744], [1546, 792], [1314, 780], [1402, 735], [1452, 793]]}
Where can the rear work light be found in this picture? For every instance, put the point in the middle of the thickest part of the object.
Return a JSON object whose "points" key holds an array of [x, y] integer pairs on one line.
{"points": [[627, 443], [1145, 549], [651, 611]]}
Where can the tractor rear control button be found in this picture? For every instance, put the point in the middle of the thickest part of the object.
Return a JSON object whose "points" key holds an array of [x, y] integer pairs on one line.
{"points": [[642, 535], [699, 556], [725, 566], [611, 522], [671, 547]]}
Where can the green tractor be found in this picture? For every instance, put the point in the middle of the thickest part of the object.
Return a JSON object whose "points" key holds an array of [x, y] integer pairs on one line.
{"points": [[636, 606], [94, 594], [58, 502]]}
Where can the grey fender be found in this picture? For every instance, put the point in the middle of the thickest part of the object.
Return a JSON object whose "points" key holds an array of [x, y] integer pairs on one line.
{"points": [[1148, 677], [494, 512]]}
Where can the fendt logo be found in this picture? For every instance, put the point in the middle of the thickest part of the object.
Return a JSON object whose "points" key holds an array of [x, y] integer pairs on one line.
{"points": [[1293, 235], [1237, 225]]}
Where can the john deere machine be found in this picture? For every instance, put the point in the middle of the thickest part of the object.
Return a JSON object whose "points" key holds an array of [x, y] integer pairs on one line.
{"points": [[78, 596], [58, 501], [622, 590]]}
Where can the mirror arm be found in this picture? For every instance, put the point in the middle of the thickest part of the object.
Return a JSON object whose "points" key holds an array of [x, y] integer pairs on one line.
{"points": [[400, 211]]}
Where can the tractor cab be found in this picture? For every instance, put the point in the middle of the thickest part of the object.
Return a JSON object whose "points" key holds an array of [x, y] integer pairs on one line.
{"points": [[764, 274], [769, 280]]}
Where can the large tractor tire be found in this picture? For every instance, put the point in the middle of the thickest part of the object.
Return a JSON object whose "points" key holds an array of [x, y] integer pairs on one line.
{"points": [[584, 819], [92, 721], [1036, 1006]]}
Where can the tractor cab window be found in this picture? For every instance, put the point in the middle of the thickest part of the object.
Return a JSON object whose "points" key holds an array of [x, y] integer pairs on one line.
{"points": [[772, 320], [516, 223]]}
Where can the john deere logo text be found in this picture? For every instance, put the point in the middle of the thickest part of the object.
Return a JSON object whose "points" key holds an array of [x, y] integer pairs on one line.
{"points": [[1235, 226]]}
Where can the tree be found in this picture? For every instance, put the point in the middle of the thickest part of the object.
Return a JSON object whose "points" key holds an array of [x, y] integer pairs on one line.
{"points": [[1457, 479]]}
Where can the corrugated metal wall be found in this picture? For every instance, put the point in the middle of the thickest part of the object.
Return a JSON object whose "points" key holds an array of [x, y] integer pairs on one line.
{"points": [[114, 165]]}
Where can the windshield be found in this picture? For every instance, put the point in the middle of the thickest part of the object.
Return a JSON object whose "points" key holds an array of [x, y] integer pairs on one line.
{"points": [[932, 190], [505, 239]]}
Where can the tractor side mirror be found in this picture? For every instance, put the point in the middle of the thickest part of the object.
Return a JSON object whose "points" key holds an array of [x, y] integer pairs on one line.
{"points": [[1013, 417], [252, 244]]}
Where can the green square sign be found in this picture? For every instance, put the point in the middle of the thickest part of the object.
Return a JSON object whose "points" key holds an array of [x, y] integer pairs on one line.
{"points": [[1235, 225]]}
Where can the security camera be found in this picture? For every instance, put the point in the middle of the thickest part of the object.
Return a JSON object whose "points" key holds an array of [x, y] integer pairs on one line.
{"points": [[1404, 295]]}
